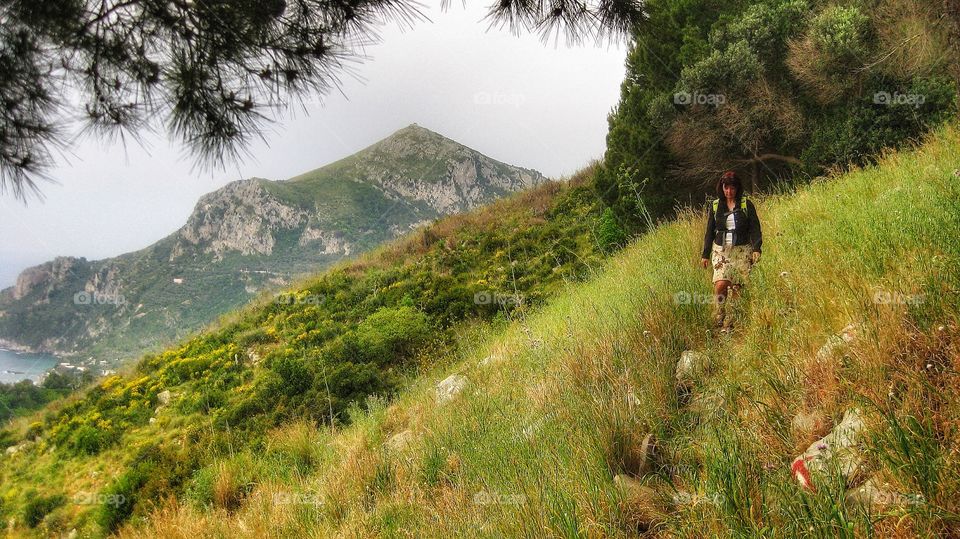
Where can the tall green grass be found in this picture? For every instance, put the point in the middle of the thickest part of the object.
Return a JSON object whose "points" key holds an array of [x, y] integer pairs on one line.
{"points": [[531, 447]]}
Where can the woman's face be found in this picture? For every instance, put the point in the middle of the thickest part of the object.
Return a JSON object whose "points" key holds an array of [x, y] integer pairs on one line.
{"points": [[730, 191]]}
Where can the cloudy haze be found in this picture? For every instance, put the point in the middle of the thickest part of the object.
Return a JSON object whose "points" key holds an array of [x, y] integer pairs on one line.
{"points": [[511, 98]]}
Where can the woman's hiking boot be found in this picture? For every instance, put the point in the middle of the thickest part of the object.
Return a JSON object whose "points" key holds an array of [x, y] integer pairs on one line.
{"points": [[719, 314]]}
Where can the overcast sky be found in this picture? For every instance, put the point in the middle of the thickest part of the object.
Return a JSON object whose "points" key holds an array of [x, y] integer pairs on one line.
{"points": [[510, 97]]}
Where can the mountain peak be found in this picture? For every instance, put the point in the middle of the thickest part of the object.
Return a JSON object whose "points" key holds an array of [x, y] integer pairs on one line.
{"points": [[415, 129], [414, 136]]}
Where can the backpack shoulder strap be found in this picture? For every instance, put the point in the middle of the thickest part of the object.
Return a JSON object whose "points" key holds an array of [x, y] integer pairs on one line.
{"points": [[743, 205]]}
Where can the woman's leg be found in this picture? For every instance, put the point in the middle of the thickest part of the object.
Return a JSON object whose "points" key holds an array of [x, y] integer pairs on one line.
{"points": [[741, 267], [720, 289], [720, 300]]}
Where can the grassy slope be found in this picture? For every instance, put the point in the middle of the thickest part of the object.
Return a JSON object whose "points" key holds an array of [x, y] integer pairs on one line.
{"points": [[218, 376], [530, 448]]}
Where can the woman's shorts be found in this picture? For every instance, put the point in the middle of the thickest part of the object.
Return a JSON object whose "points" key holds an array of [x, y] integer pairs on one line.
{"points": [[732, 263]]}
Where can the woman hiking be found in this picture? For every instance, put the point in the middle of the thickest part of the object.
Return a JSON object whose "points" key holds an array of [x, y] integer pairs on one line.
{"points": [[732, 243]]}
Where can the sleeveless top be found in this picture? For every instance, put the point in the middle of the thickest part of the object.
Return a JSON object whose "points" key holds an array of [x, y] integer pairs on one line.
{"points": [[731, 225]]}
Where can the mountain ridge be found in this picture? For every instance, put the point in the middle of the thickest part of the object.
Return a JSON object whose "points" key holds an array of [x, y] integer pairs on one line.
{"points": [[249, 235]]}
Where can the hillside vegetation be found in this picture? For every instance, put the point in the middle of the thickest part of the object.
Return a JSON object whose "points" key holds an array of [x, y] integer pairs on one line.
{"points": [[556, 403], [312, 354], [276, 425]]}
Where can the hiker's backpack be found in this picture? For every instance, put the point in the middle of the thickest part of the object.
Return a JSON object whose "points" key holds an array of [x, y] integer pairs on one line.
{"points": [[743, 206]]}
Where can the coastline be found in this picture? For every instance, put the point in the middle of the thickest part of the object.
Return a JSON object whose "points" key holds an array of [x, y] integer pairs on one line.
{"points": [[13, 346], [18, 363]]}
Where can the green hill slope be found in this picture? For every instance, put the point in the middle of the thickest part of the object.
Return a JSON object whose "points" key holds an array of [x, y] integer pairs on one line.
{"points": [[365, 327], [549, 406], [556, 405]]}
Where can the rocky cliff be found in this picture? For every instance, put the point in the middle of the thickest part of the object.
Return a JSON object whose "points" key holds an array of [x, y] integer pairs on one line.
{"points": [[249, 236]]}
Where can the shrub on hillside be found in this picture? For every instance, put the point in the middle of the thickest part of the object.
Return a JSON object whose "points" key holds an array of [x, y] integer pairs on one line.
{"points": [[610, 234], [294, 373], [393, 333], [38, 507], [90, 440]]}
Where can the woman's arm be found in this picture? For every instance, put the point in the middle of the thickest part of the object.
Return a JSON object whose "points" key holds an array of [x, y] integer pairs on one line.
{"points": [[708, 235]]}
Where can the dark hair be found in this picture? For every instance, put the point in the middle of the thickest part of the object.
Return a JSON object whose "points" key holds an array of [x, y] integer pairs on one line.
{"points": [[729, 177]]}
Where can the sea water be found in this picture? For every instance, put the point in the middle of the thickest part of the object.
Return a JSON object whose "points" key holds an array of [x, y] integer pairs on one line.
{"points": [[15, 366]]}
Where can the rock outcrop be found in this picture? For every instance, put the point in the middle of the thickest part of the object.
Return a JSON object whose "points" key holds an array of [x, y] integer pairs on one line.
{"points": [[241, 216], [450, 387], [837, 451], [691, 367], [45, 276]]}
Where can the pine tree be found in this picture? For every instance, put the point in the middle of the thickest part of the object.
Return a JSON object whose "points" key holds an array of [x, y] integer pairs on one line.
{"points": [[209, 70]]}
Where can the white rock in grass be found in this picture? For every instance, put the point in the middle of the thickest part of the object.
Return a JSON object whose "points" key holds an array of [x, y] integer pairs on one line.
{"points": [[492, 359], [691, 365], [13, 450], [839, 341], [837, 450], [164, 397], [450, 387], [400, 440], [877, 496]]}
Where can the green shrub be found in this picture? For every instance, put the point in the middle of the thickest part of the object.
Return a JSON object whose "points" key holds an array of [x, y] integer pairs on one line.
{"points": [[90, 440], [841, 33], [296, 377], [37, 507], [202, 400], [200, 489], [124, 493], [610, 234], [393, 333]]}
